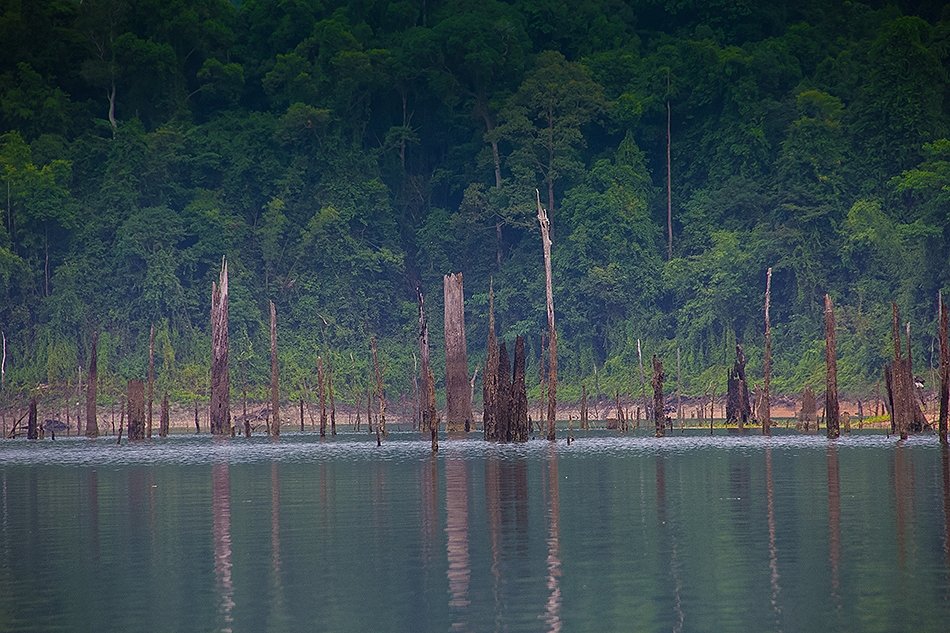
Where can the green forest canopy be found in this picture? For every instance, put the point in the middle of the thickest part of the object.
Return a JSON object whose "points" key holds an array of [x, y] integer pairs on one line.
{"points": [[341, 152]]}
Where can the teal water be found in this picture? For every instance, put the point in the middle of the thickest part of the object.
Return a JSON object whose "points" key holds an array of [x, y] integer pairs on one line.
{"points": [[612, 533]]}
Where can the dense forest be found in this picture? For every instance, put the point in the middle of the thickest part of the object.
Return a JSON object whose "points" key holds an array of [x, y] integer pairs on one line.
{"points": [[342, 152]]}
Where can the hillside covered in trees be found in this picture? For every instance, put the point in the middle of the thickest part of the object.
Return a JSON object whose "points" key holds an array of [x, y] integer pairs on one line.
{"points": [[341, 152]]}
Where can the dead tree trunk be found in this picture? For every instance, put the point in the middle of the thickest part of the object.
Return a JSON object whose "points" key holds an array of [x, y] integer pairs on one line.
{"points": [[658, 408], [136, 400], [430, 420], [584, 416], [738, 408], [458, 402], [220, 379], [150, 394], [766, 411], [944, 373], [519, 395], [332, 400], [381, 424], [92, 422], [643, 384], [832, 416], [274, 374], [163, 421], [679, 393], [900, 389], [552, 331], [808, 413], [322, 397], [490, 375], [32, 429], [503, 401]]}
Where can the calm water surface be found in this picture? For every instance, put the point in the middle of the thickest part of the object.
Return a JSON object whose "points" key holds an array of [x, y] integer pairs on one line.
{"points": [[612, 533]]}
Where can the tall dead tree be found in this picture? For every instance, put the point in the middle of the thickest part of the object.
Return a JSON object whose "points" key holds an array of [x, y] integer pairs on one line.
{"points": [[381, 424], [458, 402], [944, 371], [490, 375], [765, 412], [519, 394], [832, 416], [150, 393], [503, 400], [643, 384], [430, 421], [584, 413], [545, 225], [92, 422], [136, 400], [669, 176], [332, 399], [658, 408], [274, 374], [738, 407], [163, 420], [220, 415], [32, 428], [679, 392], [809, 410], [322, 397]]}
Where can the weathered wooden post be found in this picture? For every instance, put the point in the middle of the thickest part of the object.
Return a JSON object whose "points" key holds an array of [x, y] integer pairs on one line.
{"points": [[150, 394], [490, 375], [322, 396], [430, 420], [274, 374], [163, 421], [944, 372], [832, 415], [220, 413], [658, 408], [136, 400], [766, 409], [458, 403], [381, 424], [92, 422], [552, 331]]}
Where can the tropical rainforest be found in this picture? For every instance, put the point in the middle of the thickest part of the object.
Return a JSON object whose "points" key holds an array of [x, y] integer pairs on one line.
{"points": [[341, 153]]}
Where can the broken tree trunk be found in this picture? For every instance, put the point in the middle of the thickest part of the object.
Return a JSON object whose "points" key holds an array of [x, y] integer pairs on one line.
{"points": [[220, 414], [490, 375], [381, 424], [679, 393], [274, 374], [552, 331], [584, 422], [832, 416], [765, 412], [658, 408], [430, 420], [92, 422], [322, 396], [503, 401], [738, 407], [163, 421], [643, 385], [519, 395], [944, 372], [808, 413], [458, 402], [136, 400], [32, 429], [150, 394]]}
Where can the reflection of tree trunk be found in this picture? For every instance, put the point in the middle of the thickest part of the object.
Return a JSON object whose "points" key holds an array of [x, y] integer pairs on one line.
{"points": [[552, 610], [458, 404], [92, 505], [456, 528], [834, 521], [275, 562], [493, 508], [903, 491], [773, 550], [221, 535]]}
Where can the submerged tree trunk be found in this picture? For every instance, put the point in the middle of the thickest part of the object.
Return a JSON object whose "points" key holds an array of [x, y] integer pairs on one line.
{"points": [[458, 402], [766, 410], [944, 373], [430, 420], [322, 397], [274, 374], [584, 415], [658, 408], [136, 400], [490, 375], [332, 400], [549, 293], [381, 424], [738, 408], [92, 422], [519, 395], [503, 402], [220, 379], [832, 416], [163, 421], [643, 383], [32, 429], [150, 395]]}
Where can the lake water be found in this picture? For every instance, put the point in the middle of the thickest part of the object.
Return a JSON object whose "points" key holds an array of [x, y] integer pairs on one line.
{"points": [[612, 533]]}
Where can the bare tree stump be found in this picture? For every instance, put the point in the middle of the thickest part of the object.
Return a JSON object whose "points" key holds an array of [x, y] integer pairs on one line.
{"points": [[658, 408], [458, 403], [322, 397], [490, 375], [332, 400], [164, 419], [765, 411], [32, 428], [136, 400], [519, 396], [738, 408], [584, 421], [274, 374], [220, 414], [430, 420], [503, 402], [380, 395], [92, 422], [832, 414]]}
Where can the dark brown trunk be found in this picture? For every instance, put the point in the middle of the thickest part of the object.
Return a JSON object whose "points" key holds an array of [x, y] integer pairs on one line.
{"points": [[766, 410], [679, 393], [164, 419], [332, 400], [322, 397], [809, 409], [92, 422], [643, 385], [274, 374], [549, 295], [458, 404], [380, 395], [738, 407], [220, 414], [832, 415], [519, 395], [658, 408], [503, 403], [584, 419], [136, 400], [944, 373], [430, 420], [150, 393], [32, 428], [490, 375]]}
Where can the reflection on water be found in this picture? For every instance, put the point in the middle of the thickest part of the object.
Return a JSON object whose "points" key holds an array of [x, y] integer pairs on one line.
{"points": [[692, 533]]}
